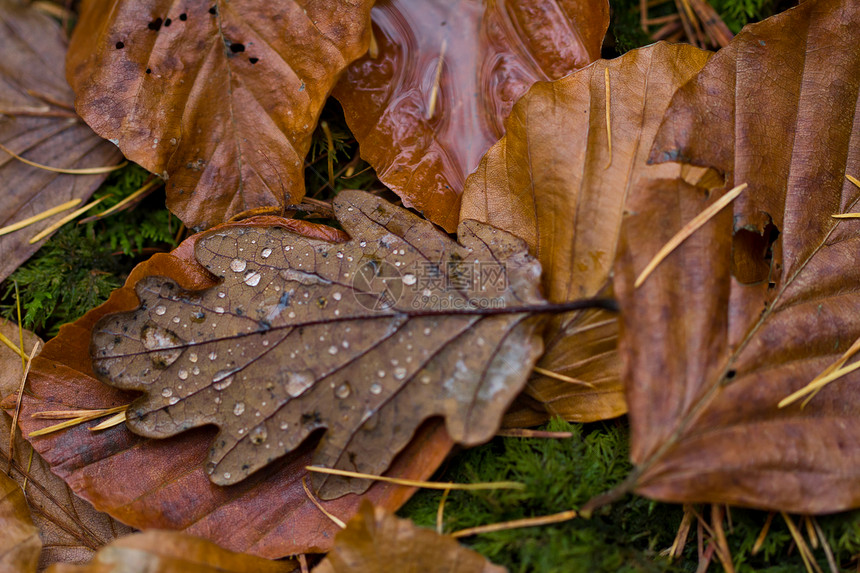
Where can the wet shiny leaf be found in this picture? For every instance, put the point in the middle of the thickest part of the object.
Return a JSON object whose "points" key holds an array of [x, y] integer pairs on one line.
{"points": [[162, 483], [361, 338], [424, 145]]}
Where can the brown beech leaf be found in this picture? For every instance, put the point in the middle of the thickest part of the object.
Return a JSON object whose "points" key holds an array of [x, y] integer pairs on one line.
{"points": [[727, 326], [70, 529], [19, 541], [162, 483], [219, 98], [36, 122], [375, 541], [362, 339], [172, 552], [553, 181], [424, 126]]}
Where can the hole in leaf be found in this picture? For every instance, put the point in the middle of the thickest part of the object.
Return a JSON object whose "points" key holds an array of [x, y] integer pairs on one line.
{"points": [[253, 60], [236, 48], [183, 16], [155, 25], [120, 45], [752, 254], [148, 70], [213, 10], [168, 22]]}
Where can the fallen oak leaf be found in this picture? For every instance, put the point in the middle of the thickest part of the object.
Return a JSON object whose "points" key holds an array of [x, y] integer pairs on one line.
{"points": [[161, 483], [172, 552], [20, 543], [375, 541], [729, 324], [556, 180], [367, 339], [220, 99], [36, 124], [426, 107], [69, 528]]}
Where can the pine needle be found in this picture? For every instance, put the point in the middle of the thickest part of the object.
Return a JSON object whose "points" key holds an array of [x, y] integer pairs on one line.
{"points": [[434, 92], [687, 230], [140, 193], [759, 541], [338, 521], [677, 548], [802, 548], [68, 218], [85, 171], [25, 372], [36, 218], [115, 420], [608, 115], [525, 433], [561, 377], [517, 524], [76, 421], [418, 483], [440, 512], [828, 552], [329, 153], [831, 373], [12, 346], [853, 179]]}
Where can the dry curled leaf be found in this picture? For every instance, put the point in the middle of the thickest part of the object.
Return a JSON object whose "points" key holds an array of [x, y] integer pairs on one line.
{"points": [[433, 100], [553, 181], [37, 122], [219, 98], [70, 529], [161, 483], [375, 541], [19, 541], [366, 339], [729, 324], [171, 552]]}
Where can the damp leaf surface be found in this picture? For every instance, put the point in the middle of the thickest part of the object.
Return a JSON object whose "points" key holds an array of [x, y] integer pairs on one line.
{"points": [[362, 339], [69, 528], [763, 298], [376, 541], [134, 478], [424, 135], [553, 181], [20, 543], [218, 98], [37, 122], [173, 552]]}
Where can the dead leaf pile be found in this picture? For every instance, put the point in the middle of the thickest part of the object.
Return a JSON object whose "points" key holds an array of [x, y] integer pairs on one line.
{"points": [[258, 348]]}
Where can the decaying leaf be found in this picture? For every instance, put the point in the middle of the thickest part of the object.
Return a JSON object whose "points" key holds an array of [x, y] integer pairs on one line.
{"points": [[172, 552], [19, 540], [366, 339], [375, 541], [728, 325], [161, 483], [37, 122], [219, 98], [554, 181], [433, 100]]}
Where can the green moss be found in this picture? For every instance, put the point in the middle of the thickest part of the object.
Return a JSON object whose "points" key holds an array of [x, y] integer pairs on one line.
{"points": [[79, 266], [626, 536]]}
